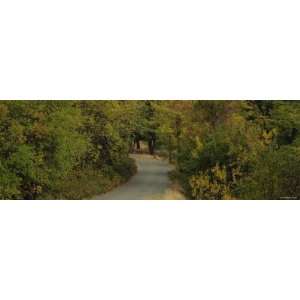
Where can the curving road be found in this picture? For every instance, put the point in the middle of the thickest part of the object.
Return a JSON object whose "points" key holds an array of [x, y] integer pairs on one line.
{"points": [[150, 182]]}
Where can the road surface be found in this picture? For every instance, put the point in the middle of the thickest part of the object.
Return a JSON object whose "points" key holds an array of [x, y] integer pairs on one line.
{"points": [[150, 182]]}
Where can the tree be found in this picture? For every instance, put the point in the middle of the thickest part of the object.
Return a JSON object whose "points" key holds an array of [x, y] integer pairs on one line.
{"points": [[43, 144]]}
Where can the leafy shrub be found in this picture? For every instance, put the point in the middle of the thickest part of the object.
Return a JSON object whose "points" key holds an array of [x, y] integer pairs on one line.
{"points": [[67, 149], [275, 176], [212, 184]]}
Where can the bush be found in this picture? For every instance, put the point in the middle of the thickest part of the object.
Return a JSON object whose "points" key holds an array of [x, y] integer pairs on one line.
{"points": [[275, 176], [212, 184], [62, 149], [126, 168]]}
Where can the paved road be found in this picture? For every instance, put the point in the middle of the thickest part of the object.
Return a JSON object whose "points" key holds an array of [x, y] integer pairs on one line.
{"points": [[150, 182]]}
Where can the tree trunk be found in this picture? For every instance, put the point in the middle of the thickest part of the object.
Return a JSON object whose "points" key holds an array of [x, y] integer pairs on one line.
{"points": [[138, 144], [150, 146]]}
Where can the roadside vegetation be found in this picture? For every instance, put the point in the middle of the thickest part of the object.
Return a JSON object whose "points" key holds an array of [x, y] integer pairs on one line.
{"points": [[63, 149], [220, 149], [233, 149]]}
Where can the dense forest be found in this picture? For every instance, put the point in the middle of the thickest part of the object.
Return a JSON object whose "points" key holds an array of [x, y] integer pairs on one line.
{"points": [[220, 149]]}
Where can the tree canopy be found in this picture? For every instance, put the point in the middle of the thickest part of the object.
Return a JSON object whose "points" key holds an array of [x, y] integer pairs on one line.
{"points": [[221, 149]]}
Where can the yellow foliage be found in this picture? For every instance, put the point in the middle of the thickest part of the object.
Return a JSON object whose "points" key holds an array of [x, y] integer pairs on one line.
{"points": [[211, 185], [198, 148]]}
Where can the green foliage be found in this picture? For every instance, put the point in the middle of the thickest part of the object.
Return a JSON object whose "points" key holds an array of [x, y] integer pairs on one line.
{"points": [[9, 183], [221, 149], [275, 175], [47, 146], [236, 149]]}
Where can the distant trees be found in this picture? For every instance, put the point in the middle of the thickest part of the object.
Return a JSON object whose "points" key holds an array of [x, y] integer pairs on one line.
{"points": [[146, 125]]}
